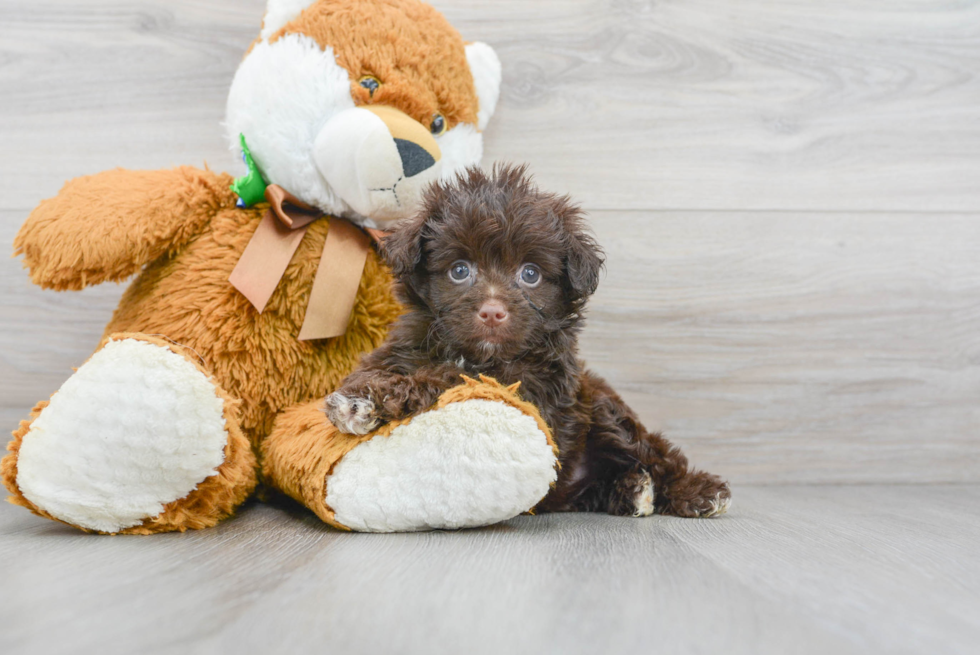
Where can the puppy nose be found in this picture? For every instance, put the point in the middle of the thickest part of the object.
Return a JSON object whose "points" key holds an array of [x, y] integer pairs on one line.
{"points": [[493, 313]]}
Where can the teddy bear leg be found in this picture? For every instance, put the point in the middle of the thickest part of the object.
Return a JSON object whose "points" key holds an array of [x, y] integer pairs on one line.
{"points": [[139, 440], [479, 456]]}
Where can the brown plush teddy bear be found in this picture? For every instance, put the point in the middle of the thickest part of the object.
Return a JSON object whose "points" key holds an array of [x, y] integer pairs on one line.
{"points": [[250, 305]]}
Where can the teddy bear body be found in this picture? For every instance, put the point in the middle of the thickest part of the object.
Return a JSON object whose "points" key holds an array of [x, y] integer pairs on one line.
{"points": [[256, 357], [184, 294], [349, 108]]}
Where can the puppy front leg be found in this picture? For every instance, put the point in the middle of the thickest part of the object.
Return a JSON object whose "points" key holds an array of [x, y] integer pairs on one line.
{"points": [[370, 398]]}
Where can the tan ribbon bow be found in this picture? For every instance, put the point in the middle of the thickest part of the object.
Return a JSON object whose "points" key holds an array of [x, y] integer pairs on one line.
{"points": [[338, 275]]}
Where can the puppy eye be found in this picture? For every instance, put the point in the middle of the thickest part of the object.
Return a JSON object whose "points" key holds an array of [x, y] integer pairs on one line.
{"points": [[370, 82], [530, 275], [460, 271], [438, 124]]}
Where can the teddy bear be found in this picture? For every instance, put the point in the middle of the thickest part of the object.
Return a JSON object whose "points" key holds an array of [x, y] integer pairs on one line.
{"points": [[254, 297]]}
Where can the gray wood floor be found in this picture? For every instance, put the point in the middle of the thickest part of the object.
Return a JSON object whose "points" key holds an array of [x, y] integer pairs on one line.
{"points": [[789, 199], [792, 569]]}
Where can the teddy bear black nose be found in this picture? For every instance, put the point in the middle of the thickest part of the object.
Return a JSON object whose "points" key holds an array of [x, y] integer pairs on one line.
{"points": [[415, 158]]}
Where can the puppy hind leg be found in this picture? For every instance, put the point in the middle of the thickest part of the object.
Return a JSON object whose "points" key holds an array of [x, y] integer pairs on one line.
{"points": [[632, 494], [699, 495], [681, 491], [620, 439]]}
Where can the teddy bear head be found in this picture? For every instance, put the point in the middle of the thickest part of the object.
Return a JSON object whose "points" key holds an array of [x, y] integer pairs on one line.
{"points": [[354, 106]]}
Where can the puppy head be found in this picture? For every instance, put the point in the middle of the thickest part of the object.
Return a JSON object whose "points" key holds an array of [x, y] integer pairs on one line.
{"points": [[498, 264]]}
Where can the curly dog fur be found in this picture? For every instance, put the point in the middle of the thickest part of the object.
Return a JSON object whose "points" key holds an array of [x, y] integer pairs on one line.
{"points": [[495, 275]]}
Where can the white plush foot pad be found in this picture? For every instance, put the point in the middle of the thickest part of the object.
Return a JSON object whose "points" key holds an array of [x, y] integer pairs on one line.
{"points": [[135, 428], [470, 463]]}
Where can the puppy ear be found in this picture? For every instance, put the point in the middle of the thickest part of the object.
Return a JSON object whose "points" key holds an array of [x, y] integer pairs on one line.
{"points": [[402, 249], [583, 256], [584, 264]]}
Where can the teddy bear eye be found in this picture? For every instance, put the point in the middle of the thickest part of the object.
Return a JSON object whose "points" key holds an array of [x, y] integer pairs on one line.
{"points": [[460, 271], [438, 125], [370, 82], [530, 275]]}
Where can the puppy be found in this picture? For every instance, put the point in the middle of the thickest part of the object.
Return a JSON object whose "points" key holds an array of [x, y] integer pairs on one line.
{"points": [[495, 275]]}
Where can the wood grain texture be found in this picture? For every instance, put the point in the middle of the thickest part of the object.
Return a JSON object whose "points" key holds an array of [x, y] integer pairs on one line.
{"points": [[709, 104], [801, 347], [888, 569], [103, 83], [676, 104]]}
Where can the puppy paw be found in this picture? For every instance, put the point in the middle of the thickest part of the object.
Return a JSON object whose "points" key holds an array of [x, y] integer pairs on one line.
{"points": [[644, 496], [352, 415], [633, 495], [699, 495], [719, 504]]}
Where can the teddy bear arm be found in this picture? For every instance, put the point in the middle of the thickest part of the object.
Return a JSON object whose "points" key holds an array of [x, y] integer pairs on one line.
{"points": [[105, 227]]}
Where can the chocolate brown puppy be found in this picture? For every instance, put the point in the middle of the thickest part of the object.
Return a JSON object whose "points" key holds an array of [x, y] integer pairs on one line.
{"points": [[495, 275]]}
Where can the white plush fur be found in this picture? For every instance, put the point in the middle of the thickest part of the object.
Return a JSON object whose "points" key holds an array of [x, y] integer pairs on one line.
{"points": [[282, 96], [470, 463], [357, 156], [135, 428], [461, 146], [280, 12], [485, 67]]}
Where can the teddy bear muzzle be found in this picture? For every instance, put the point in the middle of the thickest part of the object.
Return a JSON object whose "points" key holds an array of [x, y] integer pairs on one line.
{"points": [[378, 159]]}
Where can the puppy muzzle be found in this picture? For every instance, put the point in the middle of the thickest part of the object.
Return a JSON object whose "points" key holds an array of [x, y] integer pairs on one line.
{"points": [[378, 160]]}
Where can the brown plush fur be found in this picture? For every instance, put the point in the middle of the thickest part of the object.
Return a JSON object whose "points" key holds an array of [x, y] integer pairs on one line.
{"points": [[411, 49], [70, 241], [303, 448], [214, 499], [183, 225], [256, 357], [183, 292], [181, 234], [498, 224]]}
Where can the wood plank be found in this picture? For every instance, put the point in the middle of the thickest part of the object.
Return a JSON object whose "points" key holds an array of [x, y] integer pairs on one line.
{"points": [[771, 347], [43, 334], [97, 84], [706, 104], [856, 559], [790, 569], [798, 347], [692, 104]]}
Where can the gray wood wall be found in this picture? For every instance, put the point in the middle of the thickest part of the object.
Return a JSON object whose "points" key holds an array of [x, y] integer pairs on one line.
{"points": [[788, 193]]}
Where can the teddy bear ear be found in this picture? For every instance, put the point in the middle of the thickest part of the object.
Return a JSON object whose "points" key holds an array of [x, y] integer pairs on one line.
{"points": [[280, 12], [485, 67]]}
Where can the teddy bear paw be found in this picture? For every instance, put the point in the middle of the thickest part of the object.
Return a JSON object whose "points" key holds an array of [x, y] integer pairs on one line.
{"points": [[136, 429]]}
